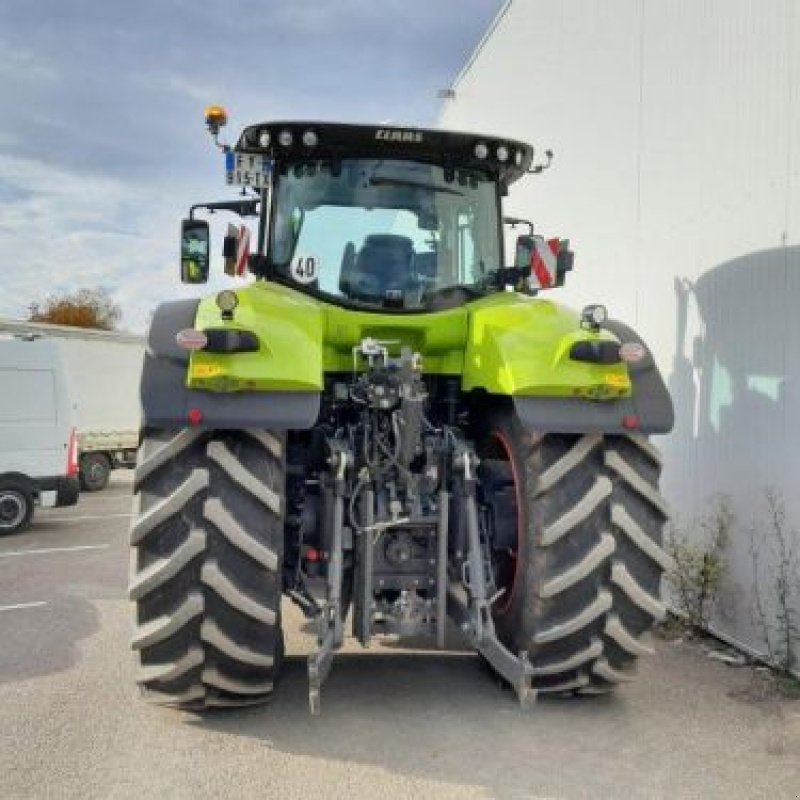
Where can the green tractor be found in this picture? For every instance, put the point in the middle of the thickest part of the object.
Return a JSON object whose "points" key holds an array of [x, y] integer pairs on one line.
{"points": [[390, 427]]}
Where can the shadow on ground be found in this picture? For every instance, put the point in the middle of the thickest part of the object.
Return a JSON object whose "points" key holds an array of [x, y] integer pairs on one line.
{"points": [[44, 640], [442, 716]]}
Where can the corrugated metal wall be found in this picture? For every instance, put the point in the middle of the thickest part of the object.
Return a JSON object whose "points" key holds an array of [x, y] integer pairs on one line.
{"points": [[676, 128]]}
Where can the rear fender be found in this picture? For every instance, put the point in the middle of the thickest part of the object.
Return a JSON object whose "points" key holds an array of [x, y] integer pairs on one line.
{"points": [[647, 410], [167, 400], [520, 346]]}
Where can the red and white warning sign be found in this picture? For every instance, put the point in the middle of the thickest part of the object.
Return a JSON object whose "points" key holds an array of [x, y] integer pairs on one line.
{"points": [[543, 263], [243, 251], [237, 250]]}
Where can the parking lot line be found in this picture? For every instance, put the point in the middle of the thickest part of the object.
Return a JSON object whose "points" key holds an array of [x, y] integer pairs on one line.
{"points": [[42, 550], [85, 518], [18, 606]]}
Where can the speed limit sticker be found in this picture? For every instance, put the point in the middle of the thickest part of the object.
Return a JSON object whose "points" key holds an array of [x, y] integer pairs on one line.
{"points": [[305, 269]]}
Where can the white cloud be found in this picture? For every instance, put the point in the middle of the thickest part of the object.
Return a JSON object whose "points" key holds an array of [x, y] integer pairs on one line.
{"points": [[106, 148], [18, 61], [62, 231]]}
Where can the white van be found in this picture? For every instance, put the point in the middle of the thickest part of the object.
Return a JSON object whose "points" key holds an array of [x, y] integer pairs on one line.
{"points": [[107, 421], [38, 441]]}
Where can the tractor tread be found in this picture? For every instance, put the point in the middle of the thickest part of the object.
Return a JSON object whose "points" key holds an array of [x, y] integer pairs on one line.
{"points": [[211, 676], [631, 528], [218, 451], [170, 671], [168, 451], [169, 506], [577, 659], [608, 673], [161, 571], [185, 698], [207, 542], [565, 686], [637, 594], [616, 630], [163, 627], [647, 447], [595, 609], [589, 585], [573, 458], [212, 634], [579, 512], [213, 576], [628, 474], [214, 511], [268, 440], [585, 567]]}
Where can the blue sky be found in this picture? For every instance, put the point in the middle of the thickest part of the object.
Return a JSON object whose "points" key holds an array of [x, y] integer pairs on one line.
{"points": [[103, 147]]}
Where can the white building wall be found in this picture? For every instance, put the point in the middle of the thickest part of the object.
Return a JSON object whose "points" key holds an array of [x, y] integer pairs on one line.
{"points": [[676, 129]]}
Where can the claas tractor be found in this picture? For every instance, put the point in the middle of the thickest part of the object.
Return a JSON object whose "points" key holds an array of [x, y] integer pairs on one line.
{"points": [[389, 423]]}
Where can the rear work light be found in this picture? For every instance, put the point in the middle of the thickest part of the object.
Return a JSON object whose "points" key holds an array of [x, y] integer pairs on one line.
{"points": [[72, 454]]}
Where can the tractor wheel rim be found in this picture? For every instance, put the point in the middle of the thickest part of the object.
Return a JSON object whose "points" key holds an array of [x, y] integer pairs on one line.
{"points": [[503, 604], [12, 509], [95, 471]]}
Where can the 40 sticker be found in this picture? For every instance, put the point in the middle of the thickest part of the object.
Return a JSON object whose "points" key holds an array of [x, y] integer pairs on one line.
{"points": [[305, 269]]}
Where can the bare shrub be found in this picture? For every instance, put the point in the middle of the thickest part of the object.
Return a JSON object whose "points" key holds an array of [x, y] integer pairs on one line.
{"points": [[776, 581], [699, 564]]}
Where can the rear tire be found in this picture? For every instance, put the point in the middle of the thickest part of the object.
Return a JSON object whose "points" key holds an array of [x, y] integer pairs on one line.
{"points": [[584, 584], [94, 472], [207, 553], [16, 507]]}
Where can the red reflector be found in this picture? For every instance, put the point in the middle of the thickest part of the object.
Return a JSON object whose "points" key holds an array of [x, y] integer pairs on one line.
{"points": [[631, 422], [313, 555], [195, 416], [632, 352], [72, 454], [191, 339]]}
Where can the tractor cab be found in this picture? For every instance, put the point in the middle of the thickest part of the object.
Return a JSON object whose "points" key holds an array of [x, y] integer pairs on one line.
{"points": [[375, 218]]}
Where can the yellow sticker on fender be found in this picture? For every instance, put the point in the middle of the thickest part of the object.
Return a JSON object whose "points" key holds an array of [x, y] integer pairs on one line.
{"points": [[618, 381], [206, 370]]}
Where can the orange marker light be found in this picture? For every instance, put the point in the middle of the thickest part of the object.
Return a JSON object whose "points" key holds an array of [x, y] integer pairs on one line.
{"points": [[216, 118]]}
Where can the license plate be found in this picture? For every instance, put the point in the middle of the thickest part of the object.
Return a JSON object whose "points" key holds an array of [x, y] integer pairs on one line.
{"points": [[247, 169]]}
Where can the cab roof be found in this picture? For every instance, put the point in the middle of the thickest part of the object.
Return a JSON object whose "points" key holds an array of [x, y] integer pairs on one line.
{"points": [[505, 159]]}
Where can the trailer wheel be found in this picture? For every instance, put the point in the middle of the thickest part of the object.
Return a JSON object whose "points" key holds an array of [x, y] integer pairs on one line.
{"points": [[207, 552], [580, 577], [94, 472], [16, 507]]}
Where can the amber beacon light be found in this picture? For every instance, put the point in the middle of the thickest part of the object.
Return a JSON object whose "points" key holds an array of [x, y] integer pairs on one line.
{"points": [[216, 118]]}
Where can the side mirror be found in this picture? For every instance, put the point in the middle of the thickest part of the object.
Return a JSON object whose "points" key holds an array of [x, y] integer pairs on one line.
{"points": [[195, 249]]}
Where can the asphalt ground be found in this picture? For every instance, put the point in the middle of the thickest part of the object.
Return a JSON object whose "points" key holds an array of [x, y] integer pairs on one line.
{"points": [[394, 724]]}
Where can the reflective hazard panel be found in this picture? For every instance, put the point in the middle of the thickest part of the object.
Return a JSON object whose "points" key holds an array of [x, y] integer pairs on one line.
{"points": [[544, 263], [247, 169]]}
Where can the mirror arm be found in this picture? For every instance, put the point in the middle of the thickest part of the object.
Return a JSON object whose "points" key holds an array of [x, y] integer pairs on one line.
{"points": [[539, 168], [514, 221], [244, 208]]}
